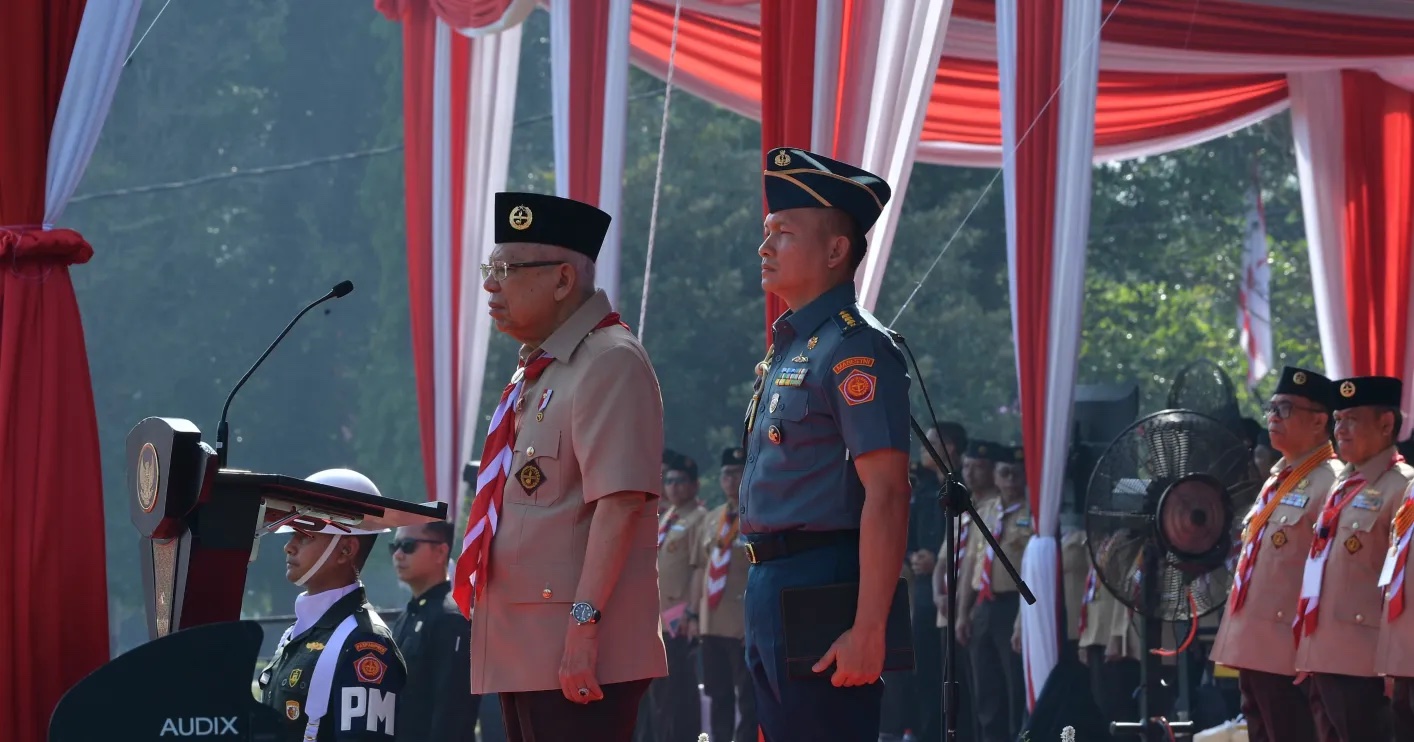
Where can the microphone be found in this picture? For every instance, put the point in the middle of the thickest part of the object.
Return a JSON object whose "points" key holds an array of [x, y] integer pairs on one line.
{"points": [[341, 289]]}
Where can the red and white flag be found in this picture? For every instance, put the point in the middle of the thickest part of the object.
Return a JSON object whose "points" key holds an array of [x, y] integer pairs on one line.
{"points": [[1254, 317]]}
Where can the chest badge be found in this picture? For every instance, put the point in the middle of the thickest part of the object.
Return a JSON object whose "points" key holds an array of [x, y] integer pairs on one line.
{"points": [[791, 376], [314, 646], [775, 402], [292, 710], [774, 433], [800, 359], [544, 401], [530, 477], [1353, 544], [1279, 538], [294, 677], [813, 342]]}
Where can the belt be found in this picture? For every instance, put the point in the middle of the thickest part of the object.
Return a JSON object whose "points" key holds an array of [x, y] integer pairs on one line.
{"points": [[768, 546]]}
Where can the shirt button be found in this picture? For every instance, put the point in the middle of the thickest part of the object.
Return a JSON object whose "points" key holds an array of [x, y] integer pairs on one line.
{"points": [[1280, 614], [1281, 519], [1354, 525], [1359, 618], [742, 511], [530, 452]]}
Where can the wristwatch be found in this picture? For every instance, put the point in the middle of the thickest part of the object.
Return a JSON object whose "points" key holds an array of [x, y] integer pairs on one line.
{"points": [[584, 613]]}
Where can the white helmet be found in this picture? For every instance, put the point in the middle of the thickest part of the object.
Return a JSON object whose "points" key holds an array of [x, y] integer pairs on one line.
{"points": [[347, 479]]}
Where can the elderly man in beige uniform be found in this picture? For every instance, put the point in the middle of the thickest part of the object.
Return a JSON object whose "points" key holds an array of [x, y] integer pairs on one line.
{"points": [[558, 571], [1255, 635], [1338, 615]]}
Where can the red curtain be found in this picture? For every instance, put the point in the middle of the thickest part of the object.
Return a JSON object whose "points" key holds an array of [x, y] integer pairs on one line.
{"points": [[1379, 162], [1238, 27], [51, 486], [787, 91], [589, 39]]}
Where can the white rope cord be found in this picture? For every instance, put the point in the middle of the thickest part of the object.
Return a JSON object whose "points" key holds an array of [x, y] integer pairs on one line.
{"points": [[658, 178]]}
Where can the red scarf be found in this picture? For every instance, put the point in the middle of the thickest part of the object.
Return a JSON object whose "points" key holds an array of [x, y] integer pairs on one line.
{"points": [[473, 565]]}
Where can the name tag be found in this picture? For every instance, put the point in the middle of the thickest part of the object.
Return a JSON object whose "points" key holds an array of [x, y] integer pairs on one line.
{"points": [[1296, 499], [1365, 502]]}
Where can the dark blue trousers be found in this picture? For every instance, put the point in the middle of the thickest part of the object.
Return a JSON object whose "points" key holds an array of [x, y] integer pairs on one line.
{"points": [[803, 710]]}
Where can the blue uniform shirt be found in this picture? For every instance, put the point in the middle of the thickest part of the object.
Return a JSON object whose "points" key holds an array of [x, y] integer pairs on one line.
{"points": [[835, 388]]}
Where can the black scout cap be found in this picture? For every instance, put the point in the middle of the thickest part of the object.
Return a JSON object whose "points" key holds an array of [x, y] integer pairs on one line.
{"points": [[1299, 382], [550, 220], [797, 179], [1368, 391], [735, 456]]}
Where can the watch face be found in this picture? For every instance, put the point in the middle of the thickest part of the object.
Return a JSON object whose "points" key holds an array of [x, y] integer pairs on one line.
{"points": [[582, 612]]}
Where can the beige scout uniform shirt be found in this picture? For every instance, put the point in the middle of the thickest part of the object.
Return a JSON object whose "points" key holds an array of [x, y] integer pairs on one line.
{"points": [[1017, 533], [680, 554], [728, 619], [1075, 565], [601, 433], [1107, 619], [1395, 656], [1258, 636], [1348, 629]]}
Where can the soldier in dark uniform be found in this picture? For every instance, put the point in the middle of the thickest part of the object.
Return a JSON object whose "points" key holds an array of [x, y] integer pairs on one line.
{"points": [[432, 634], [825, 491], [336, 673]]}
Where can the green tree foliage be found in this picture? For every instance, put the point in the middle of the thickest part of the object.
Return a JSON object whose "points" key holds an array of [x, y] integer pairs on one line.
{"points": [[190, 283]]}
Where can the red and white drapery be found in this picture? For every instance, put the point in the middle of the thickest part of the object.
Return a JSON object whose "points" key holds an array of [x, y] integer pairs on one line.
{"points": [[459, 91], [59, 67], [1164, 75]]}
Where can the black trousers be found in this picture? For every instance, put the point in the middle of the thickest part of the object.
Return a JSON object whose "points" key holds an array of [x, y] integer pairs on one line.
{"points": [[1000, 694], [1112, 685], [673, 701], [1403, 706], [1349, 709], [727, 682], [547, 716], [1277, 710], [927, 677]]}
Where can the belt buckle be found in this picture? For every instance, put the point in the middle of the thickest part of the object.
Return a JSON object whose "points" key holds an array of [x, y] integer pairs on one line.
{"points": [[751, 553]]}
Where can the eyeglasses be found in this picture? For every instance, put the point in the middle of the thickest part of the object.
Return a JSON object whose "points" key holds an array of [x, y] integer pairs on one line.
{"points": [[500, 269], [676, 480], [409, 545], [1283, 409]]}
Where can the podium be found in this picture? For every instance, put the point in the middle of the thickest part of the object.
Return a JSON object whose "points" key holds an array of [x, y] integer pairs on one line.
{"points": [[198, 525], [198, 528]]}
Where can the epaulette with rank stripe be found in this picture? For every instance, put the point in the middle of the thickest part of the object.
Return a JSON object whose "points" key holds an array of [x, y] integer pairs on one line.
{"points": [[848, 321]]}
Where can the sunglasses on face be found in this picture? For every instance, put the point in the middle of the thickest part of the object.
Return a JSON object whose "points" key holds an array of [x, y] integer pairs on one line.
{"points": [[408, 545], [1282, 410]]}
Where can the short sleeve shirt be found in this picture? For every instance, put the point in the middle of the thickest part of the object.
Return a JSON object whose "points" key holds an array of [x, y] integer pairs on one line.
{"points": [[835, 388]]}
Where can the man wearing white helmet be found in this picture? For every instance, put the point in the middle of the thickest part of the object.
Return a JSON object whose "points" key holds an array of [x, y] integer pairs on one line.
{"points": [[336, 672]]}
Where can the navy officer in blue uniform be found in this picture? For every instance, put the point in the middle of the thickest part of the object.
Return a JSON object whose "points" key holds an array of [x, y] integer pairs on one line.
{"points": [[825, 491]]}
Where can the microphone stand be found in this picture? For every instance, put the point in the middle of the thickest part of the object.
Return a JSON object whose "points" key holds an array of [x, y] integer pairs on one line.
{"points": [[955, 499]]}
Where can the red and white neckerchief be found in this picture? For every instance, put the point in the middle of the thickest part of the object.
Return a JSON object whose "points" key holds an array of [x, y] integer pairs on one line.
{"points": [[667, 525], [960, 546], [985, 594], [721, 558], [1255, 529], [1399, 545], [1089, 597], [473, 565], [1326, 524]]}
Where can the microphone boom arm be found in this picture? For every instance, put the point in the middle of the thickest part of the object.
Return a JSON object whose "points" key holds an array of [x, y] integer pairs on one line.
{"points": [[222, 428]]}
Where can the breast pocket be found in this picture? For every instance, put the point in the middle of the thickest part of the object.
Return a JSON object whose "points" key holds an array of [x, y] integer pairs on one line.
{"points": [[536, 472], [787, 429]]}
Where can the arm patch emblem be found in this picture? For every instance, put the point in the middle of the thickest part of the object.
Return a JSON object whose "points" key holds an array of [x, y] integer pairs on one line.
{"points": [[854, 361], [858, 387], [370, 669]]}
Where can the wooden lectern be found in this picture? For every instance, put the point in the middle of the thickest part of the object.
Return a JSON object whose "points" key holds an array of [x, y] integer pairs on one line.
{"points": [[199, 525], [198, 528]]}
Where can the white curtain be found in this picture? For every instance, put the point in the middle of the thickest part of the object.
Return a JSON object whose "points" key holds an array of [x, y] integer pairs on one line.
{"points": [[1319, 133], [495, 68], [611, 149], [444, 410], [910, 46], [1079, 75], [99, 51]]}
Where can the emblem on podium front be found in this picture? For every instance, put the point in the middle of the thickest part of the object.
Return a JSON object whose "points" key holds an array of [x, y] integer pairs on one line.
{"points": [[147, 477]]}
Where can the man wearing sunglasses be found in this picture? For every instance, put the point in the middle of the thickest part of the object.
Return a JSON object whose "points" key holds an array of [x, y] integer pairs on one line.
{"points": [[434, 638], [1255, 635], [558, 566]]}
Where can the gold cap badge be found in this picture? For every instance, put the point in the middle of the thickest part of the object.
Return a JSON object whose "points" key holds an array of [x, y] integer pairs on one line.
{"points": [[782, 159], [1347, 389], [521, 217], [1299, 377]]}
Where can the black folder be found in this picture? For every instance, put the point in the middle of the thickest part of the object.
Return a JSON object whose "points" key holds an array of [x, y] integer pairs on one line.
{"points": [[812, 618]]}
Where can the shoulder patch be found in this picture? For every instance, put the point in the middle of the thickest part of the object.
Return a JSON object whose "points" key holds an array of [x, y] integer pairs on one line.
{"points": [[848, 320], [852, 362], [375, 646], [858, 387], [370, 669]]}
